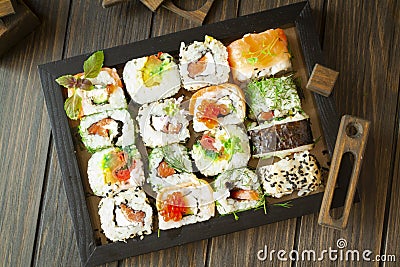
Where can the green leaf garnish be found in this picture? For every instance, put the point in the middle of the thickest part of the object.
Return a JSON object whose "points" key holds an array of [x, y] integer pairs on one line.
{"points": [[252, 60], [67, 81], [72, 106], [235, 216], [173, 161], [93, 64], [158, 233], [287, 204]]}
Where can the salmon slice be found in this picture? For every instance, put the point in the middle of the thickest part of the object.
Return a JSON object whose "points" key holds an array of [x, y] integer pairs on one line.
{"points": [[259, 54]]}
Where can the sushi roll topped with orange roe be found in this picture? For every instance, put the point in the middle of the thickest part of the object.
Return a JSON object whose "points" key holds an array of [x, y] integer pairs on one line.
{"points": [[258, 55]]}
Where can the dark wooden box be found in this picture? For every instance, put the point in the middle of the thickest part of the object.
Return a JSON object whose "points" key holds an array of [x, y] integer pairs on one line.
{"points": [[296, 16]]}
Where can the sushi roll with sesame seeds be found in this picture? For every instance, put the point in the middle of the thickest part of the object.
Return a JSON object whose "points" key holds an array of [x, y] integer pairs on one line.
{"points": [[221, 149], [115, 169], [151, 78], [217, 105], [125, 215], [163, 122], [237, 190], [169, 165], [301, 172], [203, 63], [184, 204], [107, 129]]}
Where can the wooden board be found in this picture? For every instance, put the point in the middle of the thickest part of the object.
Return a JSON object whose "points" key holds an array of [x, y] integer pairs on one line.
{"points": [[6, 8], [367, 88], [25, 133]]}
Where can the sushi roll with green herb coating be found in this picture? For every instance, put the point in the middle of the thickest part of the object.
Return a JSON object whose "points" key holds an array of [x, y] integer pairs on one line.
{"points": [[163, 122], [237, 190], [169, 165], [107, 129], [114, 169], [221, 149], [203, 63], [125, 215], [152, 78], [184, 204]]}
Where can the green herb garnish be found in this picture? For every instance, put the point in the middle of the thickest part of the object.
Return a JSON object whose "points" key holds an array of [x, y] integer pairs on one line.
{"points": [[93, 64], [252, 60], [175, 162], [287, 204], [72, 106]]}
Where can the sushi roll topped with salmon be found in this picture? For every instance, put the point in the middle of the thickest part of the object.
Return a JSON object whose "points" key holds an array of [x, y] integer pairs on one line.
{"points": [[258, 55]]}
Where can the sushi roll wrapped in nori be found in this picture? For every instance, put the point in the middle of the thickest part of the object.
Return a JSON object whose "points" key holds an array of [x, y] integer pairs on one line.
{"points": [[203, 63], [107, 129], [282, 138], [169, 165], [221, 149], [237, 190], [114, 169], [185, 203], [258, 55], [163, 122], [151, 78], [125, 215], [217, 105], [301, 172], [273, 98]]}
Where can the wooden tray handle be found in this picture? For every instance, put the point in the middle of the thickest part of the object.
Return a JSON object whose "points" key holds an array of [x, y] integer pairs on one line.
{"points": [[197, 16], [352, 137]]}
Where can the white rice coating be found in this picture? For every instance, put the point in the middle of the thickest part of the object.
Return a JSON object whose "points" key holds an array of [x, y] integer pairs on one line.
{"points": [[301, 173], [199, 198], [217, 69], [210, 166], [224, 95], [94, 142], [152, 118], [140, 93], [96, 172], [113, 222], [241, 178]]}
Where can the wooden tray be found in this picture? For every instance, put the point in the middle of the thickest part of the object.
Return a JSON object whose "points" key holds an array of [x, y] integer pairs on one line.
{"points": [[94, 249]]}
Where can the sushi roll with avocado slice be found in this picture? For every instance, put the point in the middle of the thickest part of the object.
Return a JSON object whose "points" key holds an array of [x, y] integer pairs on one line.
{"points": [[259, 55], [95, 90], [151, 78], [203, 63], [115, 169], [169, 165], [184, 204], [217, 105], [107, 129], [237, 190], [273, 99], [125, 215], [163, 122], [301, 172], [221, 149]]}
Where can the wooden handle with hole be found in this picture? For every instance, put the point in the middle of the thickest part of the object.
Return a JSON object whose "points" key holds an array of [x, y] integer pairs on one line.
{"points": [[352, 137], [109, 3], [197, 16]]}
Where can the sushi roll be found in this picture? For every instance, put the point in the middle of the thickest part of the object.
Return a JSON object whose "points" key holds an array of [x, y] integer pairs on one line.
{"points": [[273, 98], [300, 172], [107, 129], [281, 138], [217, 105], [184, 204], [169, 165], [163, 122], [114, 169], [258, 55], [107, 93], [237, 190], [221, 149], [125, 215], [151, 78], [203, 63]]}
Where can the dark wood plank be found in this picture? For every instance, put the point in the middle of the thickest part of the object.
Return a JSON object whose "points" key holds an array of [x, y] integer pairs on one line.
{"points": [[357, 46], [241, 248], [105, 28], [193, 254], [25, 132]]}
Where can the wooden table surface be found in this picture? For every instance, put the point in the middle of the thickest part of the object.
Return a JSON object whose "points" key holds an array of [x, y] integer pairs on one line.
{"points": [[360, 39]]}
